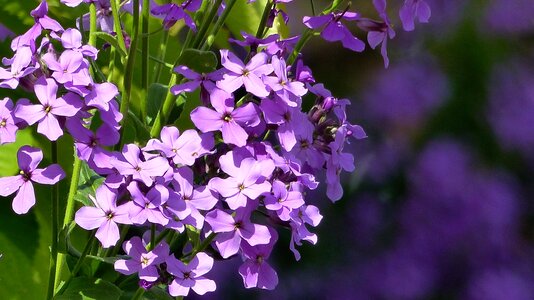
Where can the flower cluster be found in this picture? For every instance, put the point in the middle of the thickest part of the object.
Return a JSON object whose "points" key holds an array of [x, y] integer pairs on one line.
{"points": [[228, 184]]}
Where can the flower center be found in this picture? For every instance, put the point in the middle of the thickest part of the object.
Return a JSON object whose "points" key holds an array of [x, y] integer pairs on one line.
{"points": [[241, 187], [144, 261], [3, 123], [227, 118], [47, 108], [25, 176], [110, 215], [246, 72], [187, 275], [259, 259]]}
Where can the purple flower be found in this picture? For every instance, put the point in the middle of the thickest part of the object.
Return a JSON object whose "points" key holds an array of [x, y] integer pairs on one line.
{"points": [[378, 31], [411, 10], [89, 144], [231, 230], [206, 82], [182, 149], [8, 129], [175, 12], [190, 276], [335, 30], [72, 39], [306, 214], [70, 68], [227, 119], [147, 207], [19, 68], [42, 21], [283, 201], [250, 75], [46, 113], [255, 271], [246, 181], [289, 91], [105, 216], [28, 159], [131, 164], [142, 261]]}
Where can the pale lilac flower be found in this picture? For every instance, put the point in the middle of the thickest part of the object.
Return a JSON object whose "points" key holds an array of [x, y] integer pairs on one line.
{"points": [[288, 90], [28, 159], [19, 68], [147, 207], [49, 109], [183, 148], [283, 201], [142, 261], [131, 164], [70, 68], [255, 271], [250, 75], [306, 214], [8, 127], [414, 9], [105, 216], [246, 181], [206, 82], [227, 119], [231, 230], [190, 276], [90, 144], [42, 21], [72, 39]]}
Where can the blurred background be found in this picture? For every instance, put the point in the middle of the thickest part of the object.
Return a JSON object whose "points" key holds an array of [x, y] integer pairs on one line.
{"points": [[440, 205]]}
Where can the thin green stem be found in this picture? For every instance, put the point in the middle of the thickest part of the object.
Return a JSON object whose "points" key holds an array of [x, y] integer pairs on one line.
{"points": [[312, 7], [138, 294], [206, 24], [144, 59], [263, 22], [69, 211], [92, 24], [128, 74], [117, 24], [152, 237], [55, 221], [161, 55], [205, 243], [111, 66], [79, 263], [220, 22]]}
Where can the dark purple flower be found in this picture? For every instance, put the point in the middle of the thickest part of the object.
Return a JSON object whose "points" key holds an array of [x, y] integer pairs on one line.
{"points": [[28, 159], [175, 12]]}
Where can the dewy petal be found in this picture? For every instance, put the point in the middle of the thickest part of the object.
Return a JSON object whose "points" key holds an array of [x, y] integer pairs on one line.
{"points": [[351, 42], [316, 22], [333, 32], [49, 175], [67, 106], [10, 184], [25, 198], [246, 115]]}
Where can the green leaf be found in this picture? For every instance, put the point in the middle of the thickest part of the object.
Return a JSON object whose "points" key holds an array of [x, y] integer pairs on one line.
{"points": [[200, 61], [112, 41], [84, 288], [8, 152], [237, 21], [157, 293], [63, 239], [156, 95], [89, 182]]}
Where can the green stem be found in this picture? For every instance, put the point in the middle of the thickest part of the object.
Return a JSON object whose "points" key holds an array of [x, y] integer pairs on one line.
{"points": [[206, 24], [205, 243], [312, 7], [220, 22], [161, 55], [117, 24], [69, 211], [111, 66], [79, 263], [152, 237], [138, 294], [128, 74], [55, 220], [264, 18], [144, 59], [92, 24]]}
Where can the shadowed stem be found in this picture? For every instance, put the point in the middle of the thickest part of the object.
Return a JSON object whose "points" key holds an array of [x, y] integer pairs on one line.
{"points": [[53, 248]]}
